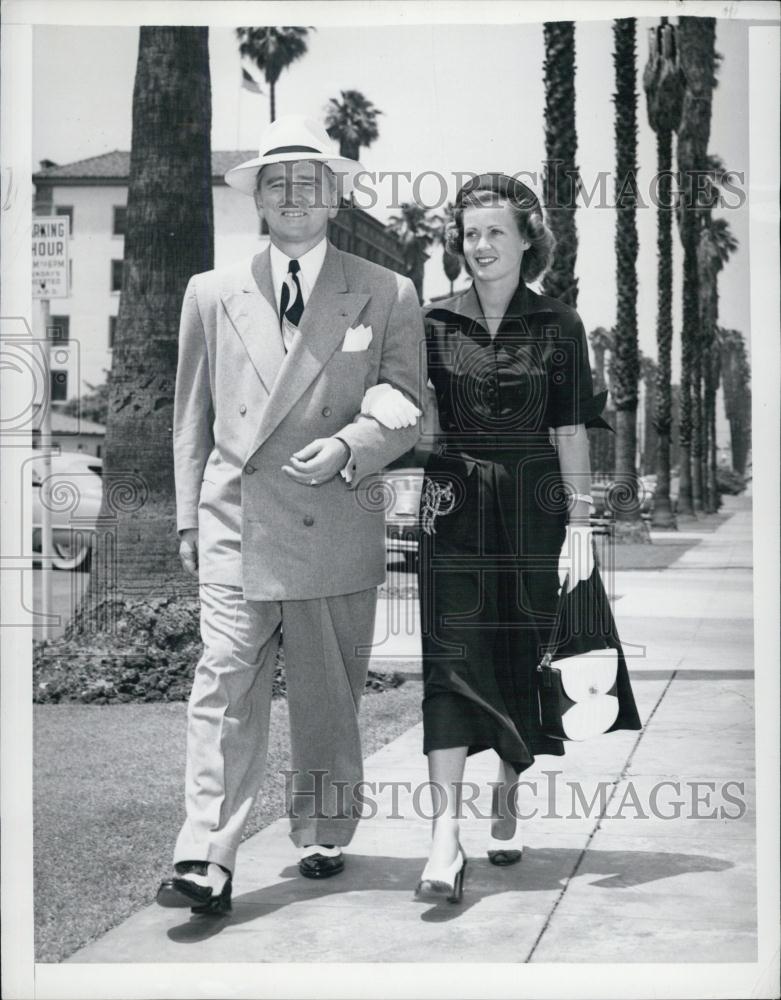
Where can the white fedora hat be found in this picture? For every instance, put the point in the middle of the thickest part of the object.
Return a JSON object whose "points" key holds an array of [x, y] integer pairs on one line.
{"points": [[293, 137]]}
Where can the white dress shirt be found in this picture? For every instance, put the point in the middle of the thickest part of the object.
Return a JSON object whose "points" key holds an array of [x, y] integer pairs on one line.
{"points": [[310, 265]]}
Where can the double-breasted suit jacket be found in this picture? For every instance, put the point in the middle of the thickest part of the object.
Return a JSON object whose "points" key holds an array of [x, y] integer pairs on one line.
{"points": [[243, 406]]}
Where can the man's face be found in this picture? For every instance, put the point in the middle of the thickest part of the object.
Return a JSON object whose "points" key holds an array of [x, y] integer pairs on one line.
{"points": [[296, 199]]}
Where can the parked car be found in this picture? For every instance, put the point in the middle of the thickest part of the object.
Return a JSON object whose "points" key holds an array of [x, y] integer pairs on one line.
{"points": [[402, 520], [76, 494]]}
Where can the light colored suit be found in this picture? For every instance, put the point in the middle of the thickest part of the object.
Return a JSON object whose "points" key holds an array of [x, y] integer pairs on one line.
{"points": [[243, 407], [273, 553]]}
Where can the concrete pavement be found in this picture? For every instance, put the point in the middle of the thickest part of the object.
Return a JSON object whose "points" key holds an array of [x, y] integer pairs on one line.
{"points": [[660, 869]]}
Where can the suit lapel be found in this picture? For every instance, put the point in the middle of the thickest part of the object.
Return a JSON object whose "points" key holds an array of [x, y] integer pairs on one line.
{"points": [[248, 298], [329, 312]]}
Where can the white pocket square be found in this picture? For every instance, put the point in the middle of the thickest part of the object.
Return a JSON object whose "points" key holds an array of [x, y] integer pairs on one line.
{"points": [[357, 338]]}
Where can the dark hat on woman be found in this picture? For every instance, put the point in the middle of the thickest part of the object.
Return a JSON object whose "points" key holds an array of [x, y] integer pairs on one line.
{"points": [[515, 191]]}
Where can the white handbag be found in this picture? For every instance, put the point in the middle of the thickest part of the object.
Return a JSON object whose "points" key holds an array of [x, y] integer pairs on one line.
{"points": [[578, 695]]}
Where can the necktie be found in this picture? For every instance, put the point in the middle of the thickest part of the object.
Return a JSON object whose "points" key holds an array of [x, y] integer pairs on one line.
{"points": [[292, 301]]}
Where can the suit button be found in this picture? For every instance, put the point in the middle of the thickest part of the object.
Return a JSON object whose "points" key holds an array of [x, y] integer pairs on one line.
{"points": [[326, 411], [249, 469], [242, 409], [309, 520]]}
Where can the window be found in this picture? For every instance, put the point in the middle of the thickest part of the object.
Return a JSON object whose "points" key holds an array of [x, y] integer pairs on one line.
{"points": [[65, 210], [116, 275], [59, 386], [120, 219], [60, 329], [112, 330]]}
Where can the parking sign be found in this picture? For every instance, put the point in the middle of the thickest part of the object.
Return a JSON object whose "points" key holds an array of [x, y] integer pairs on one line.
{"points": [[50, 257]]}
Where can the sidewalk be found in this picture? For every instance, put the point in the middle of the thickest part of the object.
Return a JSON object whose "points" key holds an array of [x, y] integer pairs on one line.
{"points": [[589, 889]]}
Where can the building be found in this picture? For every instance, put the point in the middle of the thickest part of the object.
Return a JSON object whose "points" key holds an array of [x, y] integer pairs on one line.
{"points": [[69, 433], [92, 193]]}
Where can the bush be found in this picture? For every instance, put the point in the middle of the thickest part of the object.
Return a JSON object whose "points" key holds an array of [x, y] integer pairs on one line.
{"points": [[730, 482], [148, 656]]}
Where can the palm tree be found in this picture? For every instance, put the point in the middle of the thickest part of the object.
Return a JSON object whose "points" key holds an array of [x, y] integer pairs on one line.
{"points": [[696, 39], [416, 231], [273, 50], [451, 263], [601, 446], [561, 178], [169, 237], [664, 84], [352, 122], [626, 359], [716, 246], [736, 380]]}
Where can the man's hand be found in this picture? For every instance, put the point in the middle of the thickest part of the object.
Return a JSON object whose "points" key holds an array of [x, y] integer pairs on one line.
{"points": [[318, 462], [188, 550]]}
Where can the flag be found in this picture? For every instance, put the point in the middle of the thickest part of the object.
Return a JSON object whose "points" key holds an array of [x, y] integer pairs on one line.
{"points": [[249, 82]]}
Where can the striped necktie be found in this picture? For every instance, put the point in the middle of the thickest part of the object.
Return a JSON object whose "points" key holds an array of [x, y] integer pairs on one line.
{"points": [[292, 301]]}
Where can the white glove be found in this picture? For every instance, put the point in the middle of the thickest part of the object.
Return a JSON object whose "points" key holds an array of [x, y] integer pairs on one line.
{"points": [[389, 406], [576, 559]]}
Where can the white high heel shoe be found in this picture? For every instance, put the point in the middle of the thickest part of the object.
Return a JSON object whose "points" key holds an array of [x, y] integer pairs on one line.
{"points": [[505, 852], [443, 883]]}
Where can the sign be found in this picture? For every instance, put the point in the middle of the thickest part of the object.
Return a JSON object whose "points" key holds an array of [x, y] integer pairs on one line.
{"points": [[50, 257]]}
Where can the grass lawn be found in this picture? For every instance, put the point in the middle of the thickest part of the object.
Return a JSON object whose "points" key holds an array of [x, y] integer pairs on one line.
{"points": [[108, 800], [657, 555]]}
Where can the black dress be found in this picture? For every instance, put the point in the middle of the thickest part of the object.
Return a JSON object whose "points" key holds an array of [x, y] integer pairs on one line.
{"points": [[494, 516]]}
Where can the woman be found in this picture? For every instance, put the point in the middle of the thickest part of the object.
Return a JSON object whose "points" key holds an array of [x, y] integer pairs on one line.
{"points": [[504, 511]]}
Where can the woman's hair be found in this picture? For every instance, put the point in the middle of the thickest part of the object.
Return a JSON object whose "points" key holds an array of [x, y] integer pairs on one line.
{"points": [[492, 189]]}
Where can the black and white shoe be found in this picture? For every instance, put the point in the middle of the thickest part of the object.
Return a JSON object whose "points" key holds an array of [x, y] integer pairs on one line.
{"points": [[320, 861], [202, 885]]}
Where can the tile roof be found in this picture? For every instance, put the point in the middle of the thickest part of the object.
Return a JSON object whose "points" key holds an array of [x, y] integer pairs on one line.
{"points": [[116, 166], [64, 423]]}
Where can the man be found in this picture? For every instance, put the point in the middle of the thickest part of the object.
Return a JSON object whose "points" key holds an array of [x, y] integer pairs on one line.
{"points": [[298, 377]]}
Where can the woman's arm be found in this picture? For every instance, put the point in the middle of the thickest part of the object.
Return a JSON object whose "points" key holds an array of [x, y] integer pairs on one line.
{"points": [[571, 444], [577, 557]]}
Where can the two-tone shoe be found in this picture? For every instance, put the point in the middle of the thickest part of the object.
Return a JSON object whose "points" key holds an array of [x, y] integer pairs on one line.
{"points": [[437, 883], [320, 861], [506, 852], [202, 885]]}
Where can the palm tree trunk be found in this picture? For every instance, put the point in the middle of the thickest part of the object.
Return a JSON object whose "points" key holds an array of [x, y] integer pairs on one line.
{"points": [[273, 101], [626, 358], [688, 336], [696, 38], [561, 173], [696, 433], [170, 232], [663, 513]]}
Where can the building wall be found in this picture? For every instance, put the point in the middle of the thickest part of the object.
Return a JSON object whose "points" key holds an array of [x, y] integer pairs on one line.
{"points": [[92, 304], [93, 246]]}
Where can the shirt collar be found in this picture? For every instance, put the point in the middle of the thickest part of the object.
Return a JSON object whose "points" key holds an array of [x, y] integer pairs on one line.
{"points": [[311, 263]]}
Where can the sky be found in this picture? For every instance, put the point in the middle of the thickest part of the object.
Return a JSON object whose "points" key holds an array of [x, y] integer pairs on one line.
{"points": [[454, 98]]}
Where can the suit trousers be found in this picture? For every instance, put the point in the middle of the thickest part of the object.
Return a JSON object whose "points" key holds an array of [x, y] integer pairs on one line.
{"points": [[326, 643]]}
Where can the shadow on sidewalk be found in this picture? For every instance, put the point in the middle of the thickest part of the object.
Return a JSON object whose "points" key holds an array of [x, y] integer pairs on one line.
{"points": [[541, 870]]}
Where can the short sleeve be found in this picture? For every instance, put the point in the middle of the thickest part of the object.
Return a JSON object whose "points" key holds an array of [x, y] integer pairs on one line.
{"points": [[571, 396]]}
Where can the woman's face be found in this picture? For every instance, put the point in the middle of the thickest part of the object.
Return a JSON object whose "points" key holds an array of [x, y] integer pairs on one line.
{"points": [[493, 247]]}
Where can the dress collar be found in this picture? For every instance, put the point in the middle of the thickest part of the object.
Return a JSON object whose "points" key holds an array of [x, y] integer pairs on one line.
{"points": [[467, 305]]}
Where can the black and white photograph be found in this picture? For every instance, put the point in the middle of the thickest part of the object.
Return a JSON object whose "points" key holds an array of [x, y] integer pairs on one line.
{"points": [[390, 499]]}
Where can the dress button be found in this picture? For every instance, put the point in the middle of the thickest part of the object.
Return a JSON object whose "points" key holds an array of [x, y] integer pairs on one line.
{"points": [[242, 409], [249, 469], [326, 411], [308, 520]]}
